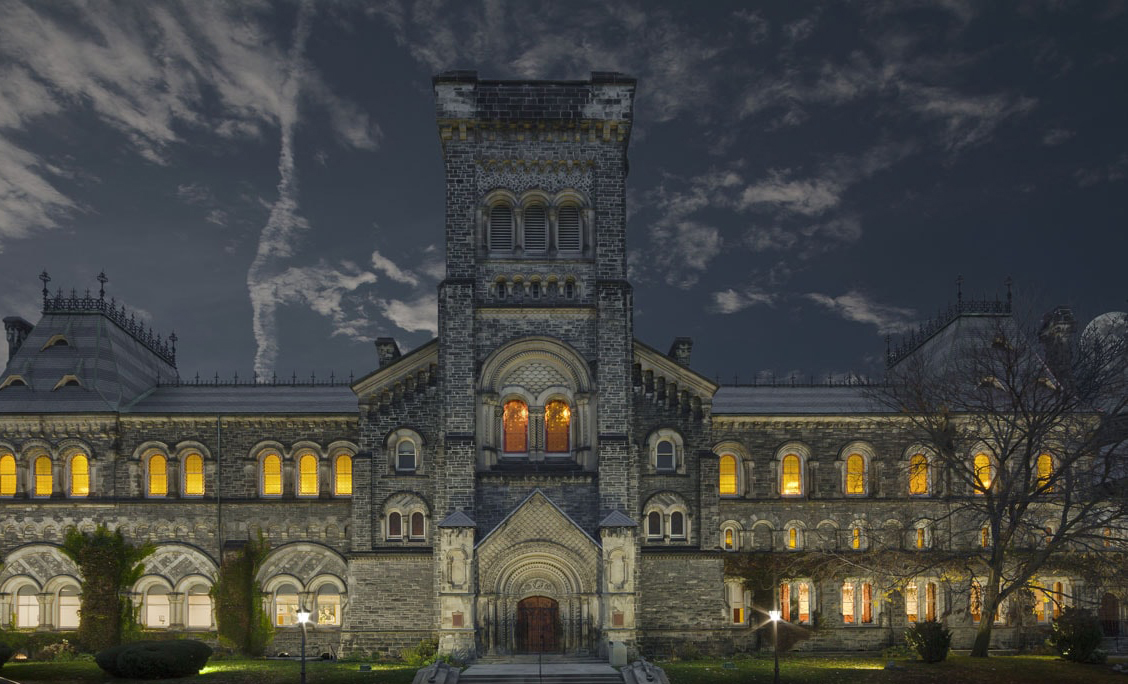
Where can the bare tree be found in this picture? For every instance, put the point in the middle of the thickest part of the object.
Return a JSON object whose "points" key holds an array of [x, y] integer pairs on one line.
{"points": [[1027, 426]]}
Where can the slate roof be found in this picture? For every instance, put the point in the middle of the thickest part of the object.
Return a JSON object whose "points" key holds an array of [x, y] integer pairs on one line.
{"points": [[782, 400], [247, 399], [618, 519], [457, 519]]}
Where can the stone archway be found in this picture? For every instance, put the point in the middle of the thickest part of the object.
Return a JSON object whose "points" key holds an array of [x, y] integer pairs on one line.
{"points": [[1109, 614], [538, 625]]}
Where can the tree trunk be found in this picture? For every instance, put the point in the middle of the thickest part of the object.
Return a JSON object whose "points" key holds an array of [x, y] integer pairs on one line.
{"points": [[987, 613], [982, 637]]}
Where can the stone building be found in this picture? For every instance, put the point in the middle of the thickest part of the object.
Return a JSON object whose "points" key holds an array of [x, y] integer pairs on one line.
{"points": [[533, 479]]}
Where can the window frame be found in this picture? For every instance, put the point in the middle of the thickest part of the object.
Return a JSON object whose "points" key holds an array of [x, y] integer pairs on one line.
{"points": [[505, 451], [301, 457], [186, 458], [925, 470], [37, 459], [339, 456], [9, 457], [557, 399], [149, 456], [495, 206], [264, 455], [655, 440]]}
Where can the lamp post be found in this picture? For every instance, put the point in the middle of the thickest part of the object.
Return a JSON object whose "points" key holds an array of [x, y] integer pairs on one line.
{"points": [[303, 619], [775, 615]]}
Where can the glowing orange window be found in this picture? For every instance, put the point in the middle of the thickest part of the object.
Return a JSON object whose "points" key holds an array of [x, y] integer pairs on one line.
{"points": [[790, 481], [515, 420], [557, 421], [158, 475], [194, 475], [975, 605], [785, 601], [848, 602], [918, 475], [855, 475], [44, 484], [867, 603], [343, 482], [983, 474], [727, 484], [1045, 467], [856, 538], [307, 475], [7, 475], [272, 475]]}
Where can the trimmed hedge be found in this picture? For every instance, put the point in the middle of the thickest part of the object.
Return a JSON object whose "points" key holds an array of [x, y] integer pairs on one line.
{"points": [[930, 640], [155, 659]]}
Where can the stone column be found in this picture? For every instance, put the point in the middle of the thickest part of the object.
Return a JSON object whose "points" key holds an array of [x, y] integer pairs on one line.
{"points": [[5, 610], [176, 617], [46, 611], [457, 585]]}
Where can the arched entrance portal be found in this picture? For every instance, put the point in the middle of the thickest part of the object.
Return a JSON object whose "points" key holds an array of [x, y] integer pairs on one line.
{"points": [[538, 619], [1110, 615]]}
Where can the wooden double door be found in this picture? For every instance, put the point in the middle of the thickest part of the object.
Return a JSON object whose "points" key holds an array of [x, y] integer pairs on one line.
{"points": [[538, 625]]}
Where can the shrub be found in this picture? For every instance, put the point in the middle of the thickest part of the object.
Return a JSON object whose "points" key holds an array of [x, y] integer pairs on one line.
{"points": [[109, 565], [930, 640], [242, 623], [6, 653], [1076, 635], [420, 655], [155, 659]]}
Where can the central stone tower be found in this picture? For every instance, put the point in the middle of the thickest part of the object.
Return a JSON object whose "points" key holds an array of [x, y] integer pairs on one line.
{"points": [[535, 361]]}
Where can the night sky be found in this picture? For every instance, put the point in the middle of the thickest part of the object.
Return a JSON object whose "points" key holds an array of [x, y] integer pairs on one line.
{"points": [[265, 178]]}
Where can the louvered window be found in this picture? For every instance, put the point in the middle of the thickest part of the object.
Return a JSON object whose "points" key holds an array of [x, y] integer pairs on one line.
{"points": [[536, 230], [501, 228], [568, 229]]}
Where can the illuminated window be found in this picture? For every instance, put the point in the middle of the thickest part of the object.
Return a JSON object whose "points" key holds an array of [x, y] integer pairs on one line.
{"points": [[557, 421], [921, 538], [342, 481], [664, 456], [158, 475], [791, 483], [785, 602], [855, 475], [515, 423], [975, 602], [730, 542], [848, 602], [395, 526], [328, 609], [1107, 541], [44, 481], [307, 475], [985, 537], [804, 592], [1045, 467], [677, 525], [7, 475], [406, 453], [193, 475], [983, 474], [930, 601], [79, 475], [728, 475], [271, 475], [199, 607], [911, 604], [654, 525], [856, 538], [1058, 599], [286, 606], [27, 607], [867, 603], [501, 228], [68, 608], [792, 538], [736, 601], [156, 608], [918, 475], [418, 529]]}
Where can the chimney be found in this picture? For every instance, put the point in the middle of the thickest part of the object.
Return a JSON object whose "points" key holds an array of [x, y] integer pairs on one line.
{"points": [[387, 350], [17, 330], [680, 350]]}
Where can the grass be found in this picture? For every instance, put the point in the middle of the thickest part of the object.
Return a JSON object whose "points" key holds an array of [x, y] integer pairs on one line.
{"points": [[815, 669], [808, 669], [235, 671]]}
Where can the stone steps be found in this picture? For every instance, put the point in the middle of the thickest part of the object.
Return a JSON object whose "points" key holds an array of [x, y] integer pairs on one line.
{"points": [[555, 669]]}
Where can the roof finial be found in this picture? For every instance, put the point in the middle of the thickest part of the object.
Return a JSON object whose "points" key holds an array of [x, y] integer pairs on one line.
{"points": [[102, 279], [959, 290], [46, 279]]}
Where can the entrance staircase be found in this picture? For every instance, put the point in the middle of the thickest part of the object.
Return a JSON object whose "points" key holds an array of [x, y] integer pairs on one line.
{"points": [[552, 669]]}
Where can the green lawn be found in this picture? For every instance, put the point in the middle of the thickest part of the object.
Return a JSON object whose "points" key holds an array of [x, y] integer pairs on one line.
{"points": [[220, 672], [862, 670], [793, 668]]}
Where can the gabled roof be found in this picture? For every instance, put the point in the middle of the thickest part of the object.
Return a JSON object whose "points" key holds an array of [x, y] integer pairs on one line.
{"points": [[518, 509], [618, 519], [458, 519], [422, 356], [652, 359]]}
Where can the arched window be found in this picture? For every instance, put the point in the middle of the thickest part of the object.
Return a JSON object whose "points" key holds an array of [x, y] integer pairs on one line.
{"points": [[342, 475], [793, 540], [286, 605], [406, 461], [557, 422], [272, 475], [791, 480], [158, 476], [730, 539], [395, 526], [856, 542], [728, 478], [677, 525], [983, 472], [79, 475], [199, 607], [307, 475], [975, 602], [654, 525], [68, 605], [848, 602], [515, 424], [328, 608], [1045, 468], [664, 458], [7, 475], [27, 607], [156, 608], [568, 229], [918, 475], [912, 604], [501, 228], [536, 229], [44, 481], [418, 528], [193, 475], [985, 537], [855, 475]]}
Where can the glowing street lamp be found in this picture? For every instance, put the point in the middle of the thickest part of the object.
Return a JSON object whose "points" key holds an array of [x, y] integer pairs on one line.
{"points": [[303, 619], [775, 616]]}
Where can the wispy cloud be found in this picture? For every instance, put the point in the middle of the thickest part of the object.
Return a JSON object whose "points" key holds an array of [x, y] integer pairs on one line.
{"points": [[389, 268], [419, 314], [731, 301], [856, 306]]}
